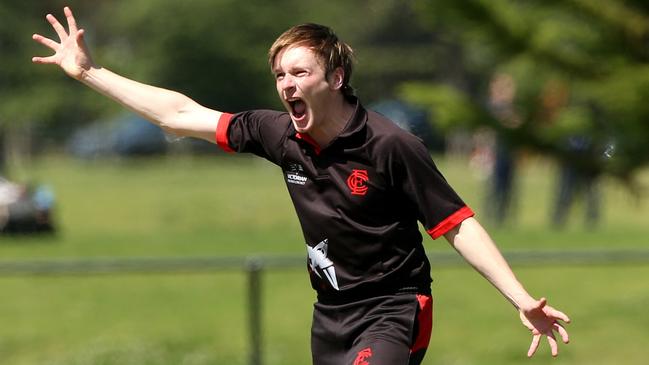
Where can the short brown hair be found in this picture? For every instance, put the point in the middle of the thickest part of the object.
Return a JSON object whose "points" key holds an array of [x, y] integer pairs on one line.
{"points": [[331, 51]]}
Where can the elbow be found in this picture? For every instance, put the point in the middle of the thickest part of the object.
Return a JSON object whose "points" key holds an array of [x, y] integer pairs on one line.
{"points": [[176, 120], [173, 118], [171, 126]]}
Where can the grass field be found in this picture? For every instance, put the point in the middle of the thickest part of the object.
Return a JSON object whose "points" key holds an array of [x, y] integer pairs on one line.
{"points": [[207, 206]]}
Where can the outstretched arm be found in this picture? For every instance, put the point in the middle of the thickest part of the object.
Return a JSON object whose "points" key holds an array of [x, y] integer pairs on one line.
{"points": [[477, 248], [174, 112]]}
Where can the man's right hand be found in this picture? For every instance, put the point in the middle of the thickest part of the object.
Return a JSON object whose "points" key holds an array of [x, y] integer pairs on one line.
{"points": [[170, 110], [71, 53]]}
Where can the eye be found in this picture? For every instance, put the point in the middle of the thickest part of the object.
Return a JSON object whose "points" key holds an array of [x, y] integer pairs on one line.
{"points": [[301, 73], [279, 76]]}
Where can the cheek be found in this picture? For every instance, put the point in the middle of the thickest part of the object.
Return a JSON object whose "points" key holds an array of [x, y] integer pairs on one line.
{"points": [[314, 87]]}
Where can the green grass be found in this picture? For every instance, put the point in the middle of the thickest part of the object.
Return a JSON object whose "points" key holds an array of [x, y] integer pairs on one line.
{"points": [[205, 206], [166, 207], [122, 320]]}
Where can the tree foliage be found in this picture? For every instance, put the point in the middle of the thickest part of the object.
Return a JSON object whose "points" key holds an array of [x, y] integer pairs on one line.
{"points": [[580, 69], [579, 66], [215, 51]]}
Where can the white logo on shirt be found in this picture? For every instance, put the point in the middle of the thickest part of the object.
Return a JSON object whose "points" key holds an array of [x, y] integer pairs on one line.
{"points": [[318, 260], [295, 174]]}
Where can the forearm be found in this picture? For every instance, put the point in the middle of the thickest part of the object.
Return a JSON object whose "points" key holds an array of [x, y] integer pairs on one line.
{"points": [[172, 111], [474, 244]]}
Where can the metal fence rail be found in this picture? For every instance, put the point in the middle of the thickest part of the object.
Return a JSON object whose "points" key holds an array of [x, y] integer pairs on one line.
{"points": [[254, 266], [126, 265]]}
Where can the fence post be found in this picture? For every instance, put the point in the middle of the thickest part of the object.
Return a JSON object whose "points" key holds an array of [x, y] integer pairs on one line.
{"points": [[254, 266]]}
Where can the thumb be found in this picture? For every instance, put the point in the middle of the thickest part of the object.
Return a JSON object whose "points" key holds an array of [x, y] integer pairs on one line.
{"points": [[537, 305]]}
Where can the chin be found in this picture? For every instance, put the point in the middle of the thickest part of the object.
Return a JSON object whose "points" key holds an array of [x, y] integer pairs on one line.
{"points": [[302, 126], [301, 129]]}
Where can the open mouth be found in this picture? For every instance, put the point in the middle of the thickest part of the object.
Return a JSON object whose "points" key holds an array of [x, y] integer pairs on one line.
{"points": [[298, 108]]}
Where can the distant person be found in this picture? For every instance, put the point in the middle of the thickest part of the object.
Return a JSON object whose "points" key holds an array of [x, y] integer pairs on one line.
{"points": [[500, 196], [359, 184], [575, 181]]}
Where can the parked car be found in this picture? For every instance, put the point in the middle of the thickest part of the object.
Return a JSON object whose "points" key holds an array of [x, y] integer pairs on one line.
{"points": [[129, 135], [126, 135], [412, 119], [24, 209]]}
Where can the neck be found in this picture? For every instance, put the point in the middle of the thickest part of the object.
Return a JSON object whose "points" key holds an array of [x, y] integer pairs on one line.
{"points": [[335, 121]]}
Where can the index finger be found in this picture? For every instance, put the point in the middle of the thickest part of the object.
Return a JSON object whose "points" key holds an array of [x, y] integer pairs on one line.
{"points": [[560, 315]]}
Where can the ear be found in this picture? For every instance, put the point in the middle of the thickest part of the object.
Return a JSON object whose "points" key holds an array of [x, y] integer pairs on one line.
{"points": [[336, 78]]}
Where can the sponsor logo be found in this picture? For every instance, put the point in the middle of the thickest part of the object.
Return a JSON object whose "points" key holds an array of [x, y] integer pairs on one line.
{"points": [[295, 174], [296, 179], [363, 356], [357, 182], [319, 262]]}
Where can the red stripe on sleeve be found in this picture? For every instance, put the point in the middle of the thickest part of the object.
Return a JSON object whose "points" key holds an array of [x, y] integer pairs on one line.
{"points": [[222, 132], [450, 222]]}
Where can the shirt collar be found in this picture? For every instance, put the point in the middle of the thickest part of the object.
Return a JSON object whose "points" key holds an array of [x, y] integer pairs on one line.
{"points": [[357, 121]]}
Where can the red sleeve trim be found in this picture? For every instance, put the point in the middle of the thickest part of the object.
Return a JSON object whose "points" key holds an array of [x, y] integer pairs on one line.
{"points": [[450, 222], [222, 132]]}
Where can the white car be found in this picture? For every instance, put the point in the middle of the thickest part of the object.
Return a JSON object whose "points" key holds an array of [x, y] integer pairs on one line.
{"points": [[24, 209]]}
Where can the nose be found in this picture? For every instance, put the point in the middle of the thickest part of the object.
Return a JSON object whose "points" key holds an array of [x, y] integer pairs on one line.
{"points": [[287, 84]]}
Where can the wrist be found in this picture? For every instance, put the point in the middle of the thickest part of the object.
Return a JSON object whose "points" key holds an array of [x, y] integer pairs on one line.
{"points": [[522, 301], [87, 74], [526, 304]]}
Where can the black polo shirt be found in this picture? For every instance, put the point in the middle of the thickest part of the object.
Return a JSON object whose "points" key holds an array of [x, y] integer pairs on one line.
{"points": [[358, 199]]}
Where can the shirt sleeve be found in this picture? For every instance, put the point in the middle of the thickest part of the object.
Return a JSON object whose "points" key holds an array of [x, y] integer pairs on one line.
{"points": [[439, 208], [260, 132]]}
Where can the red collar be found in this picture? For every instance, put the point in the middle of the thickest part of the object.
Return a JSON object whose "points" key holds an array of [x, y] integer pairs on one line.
{"points": [[308, 139]]}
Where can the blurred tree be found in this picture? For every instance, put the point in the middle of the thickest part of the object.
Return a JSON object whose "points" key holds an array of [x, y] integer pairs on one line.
{"points": [[212, 50], [31, 97], [581, 69], [580, 65], [217, 49], [14, 105]]}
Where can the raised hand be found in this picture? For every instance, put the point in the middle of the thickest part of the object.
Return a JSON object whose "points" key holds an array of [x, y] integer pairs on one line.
{"points": [[543, 320], [71, 53]]}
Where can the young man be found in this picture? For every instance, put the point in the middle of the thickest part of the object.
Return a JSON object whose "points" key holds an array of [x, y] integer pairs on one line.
{"points": [[359, 185]]}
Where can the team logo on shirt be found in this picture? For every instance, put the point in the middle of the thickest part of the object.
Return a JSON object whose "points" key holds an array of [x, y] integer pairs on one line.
{"points": [[357, 182], [363, 356], [295, 174], [319, 262]]}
